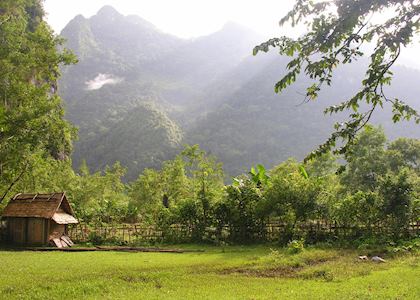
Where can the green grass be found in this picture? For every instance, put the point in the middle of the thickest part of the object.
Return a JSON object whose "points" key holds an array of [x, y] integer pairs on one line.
{"points": [[256, 272]]}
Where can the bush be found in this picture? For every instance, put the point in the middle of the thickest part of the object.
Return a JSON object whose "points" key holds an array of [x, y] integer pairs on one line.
{"points": [[295, 246], [405, 247]]}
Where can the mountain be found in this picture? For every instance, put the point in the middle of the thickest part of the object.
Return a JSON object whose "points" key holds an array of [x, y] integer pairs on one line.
{"points": [[138, 94], [251, 124], [143, 137], [125, 62]]}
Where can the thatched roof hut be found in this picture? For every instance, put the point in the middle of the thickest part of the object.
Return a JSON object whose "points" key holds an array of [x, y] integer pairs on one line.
{"points": [[38, 219]]}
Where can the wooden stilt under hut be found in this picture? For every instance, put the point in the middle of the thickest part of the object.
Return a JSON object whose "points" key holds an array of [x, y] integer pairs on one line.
{"points": [[39, 220]]}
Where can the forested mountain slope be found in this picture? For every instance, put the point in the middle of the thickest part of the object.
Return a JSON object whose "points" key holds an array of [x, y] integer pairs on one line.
{"points": [[138, 94], [254, 125]]}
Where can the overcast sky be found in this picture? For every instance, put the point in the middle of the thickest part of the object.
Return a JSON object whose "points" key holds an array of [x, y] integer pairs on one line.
{"points": [[193, 18], [183, 18]]}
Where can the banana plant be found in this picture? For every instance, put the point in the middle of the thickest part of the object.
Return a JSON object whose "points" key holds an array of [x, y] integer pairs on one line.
{"points": [[259, 175]]}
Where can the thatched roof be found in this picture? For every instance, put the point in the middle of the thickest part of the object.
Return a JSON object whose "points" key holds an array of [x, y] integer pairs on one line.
{"points": [[37, 205]]}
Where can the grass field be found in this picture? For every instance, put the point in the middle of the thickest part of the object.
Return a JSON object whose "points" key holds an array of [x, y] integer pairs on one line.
{"points": [[257, 272]]}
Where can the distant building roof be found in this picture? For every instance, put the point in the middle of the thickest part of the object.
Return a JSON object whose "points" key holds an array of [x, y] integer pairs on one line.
{"points": [[40, 206]]}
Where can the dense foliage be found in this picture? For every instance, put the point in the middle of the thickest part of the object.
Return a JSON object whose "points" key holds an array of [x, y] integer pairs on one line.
{"points": [[379, 186], [31, 114], [375, 186]]}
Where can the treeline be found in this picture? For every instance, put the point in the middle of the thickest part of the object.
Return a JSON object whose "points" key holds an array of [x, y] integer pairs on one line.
{"points": [[375, 183]]}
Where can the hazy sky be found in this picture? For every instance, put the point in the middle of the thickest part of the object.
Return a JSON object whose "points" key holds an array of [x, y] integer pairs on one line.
{"points": [[183, 18], [193, 18]]}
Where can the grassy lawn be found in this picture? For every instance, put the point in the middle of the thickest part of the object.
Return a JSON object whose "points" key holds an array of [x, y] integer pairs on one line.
{"points": [[257, 272]]}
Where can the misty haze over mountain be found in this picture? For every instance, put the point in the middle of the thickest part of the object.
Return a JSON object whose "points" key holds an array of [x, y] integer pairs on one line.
{"points": [[138, 94]]}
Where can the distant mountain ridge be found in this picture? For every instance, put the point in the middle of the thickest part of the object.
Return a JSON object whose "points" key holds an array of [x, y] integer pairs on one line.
{"points": [[138, 94]]}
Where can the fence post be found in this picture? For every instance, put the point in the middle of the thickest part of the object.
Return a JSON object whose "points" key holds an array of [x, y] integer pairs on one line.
{"points": [[418, 227]]}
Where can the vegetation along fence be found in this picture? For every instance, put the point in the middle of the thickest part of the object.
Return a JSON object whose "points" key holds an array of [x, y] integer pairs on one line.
{"points": [[138, 233]]}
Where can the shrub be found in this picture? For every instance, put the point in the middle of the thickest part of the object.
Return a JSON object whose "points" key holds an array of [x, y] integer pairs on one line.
{"points": [[295, 246]]}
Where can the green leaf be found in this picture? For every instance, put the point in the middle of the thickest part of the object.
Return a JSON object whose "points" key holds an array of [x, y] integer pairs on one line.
{"points": [[303, 172]]}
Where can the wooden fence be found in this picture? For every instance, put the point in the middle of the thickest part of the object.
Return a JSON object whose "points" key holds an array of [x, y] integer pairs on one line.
{"points": [[273, 231]]}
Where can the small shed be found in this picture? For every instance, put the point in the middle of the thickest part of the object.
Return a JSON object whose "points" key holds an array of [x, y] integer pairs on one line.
{"points": [[39, 219]]}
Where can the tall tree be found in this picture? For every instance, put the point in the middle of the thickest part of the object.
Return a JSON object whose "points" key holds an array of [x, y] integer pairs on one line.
{"points": [[404, 152], [31, 114], [339, 30], [366, 162]]}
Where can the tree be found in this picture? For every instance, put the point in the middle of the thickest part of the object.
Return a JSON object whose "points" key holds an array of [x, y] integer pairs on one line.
{"points": [[321, 166], [192, 181], [240, 210], [206, 175], [366, 162], [397, 194], [100, 196], [46, 175], [154, 190], [359, 208], [404, 152], [291, 195], [31, 114], [338, 32], [175, 183]]}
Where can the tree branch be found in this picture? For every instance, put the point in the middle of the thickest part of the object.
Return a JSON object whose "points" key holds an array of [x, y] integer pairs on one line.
{"points": [[13, 183]]}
